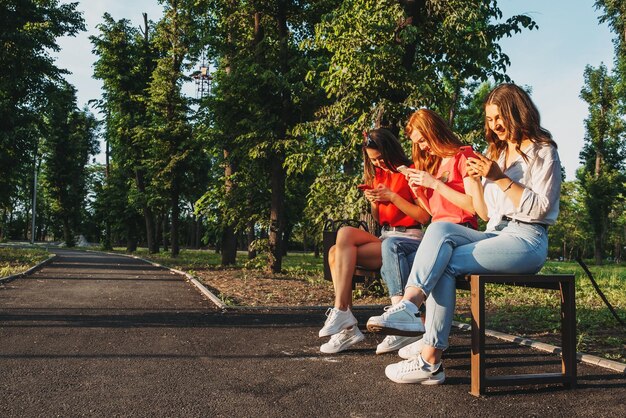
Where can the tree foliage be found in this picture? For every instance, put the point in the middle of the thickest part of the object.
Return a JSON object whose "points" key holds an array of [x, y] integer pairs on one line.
{"points": [[602, 175], [30, 29]]}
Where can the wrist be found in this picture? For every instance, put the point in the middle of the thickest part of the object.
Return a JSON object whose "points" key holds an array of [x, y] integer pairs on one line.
{"points": [[500, 177], [505, 184]]}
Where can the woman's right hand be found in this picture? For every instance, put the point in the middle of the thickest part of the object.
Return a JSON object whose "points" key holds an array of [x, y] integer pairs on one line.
{"points": [[370, 195], [483, 167]]}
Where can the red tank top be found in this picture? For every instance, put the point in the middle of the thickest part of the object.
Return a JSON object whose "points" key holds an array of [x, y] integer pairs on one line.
{"points": [[388, 213]]}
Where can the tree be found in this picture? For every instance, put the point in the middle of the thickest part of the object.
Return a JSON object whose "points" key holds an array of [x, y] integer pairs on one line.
{"points": [[601, 176], [29, 32], [388, 58], [125, 65], [69, 141], [171, 131], [261, 95]]}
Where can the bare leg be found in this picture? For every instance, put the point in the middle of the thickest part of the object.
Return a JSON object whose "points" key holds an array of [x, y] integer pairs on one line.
{"points": [[396, 299], [331, 263], [431, 354], [353, 246], [415, 295]]}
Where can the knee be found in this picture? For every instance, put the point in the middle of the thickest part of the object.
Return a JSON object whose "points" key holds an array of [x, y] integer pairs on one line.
{"points": [[345, 236], [440, 228], [441, 231]]}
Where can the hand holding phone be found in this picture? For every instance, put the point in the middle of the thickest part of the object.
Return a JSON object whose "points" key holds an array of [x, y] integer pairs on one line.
{"points": [[364, 187], [468, 151]]}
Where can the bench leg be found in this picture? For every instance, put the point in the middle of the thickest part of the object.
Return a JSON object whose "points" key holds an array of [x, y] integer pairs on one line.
{"points": [[568, 332], [478, 335]]}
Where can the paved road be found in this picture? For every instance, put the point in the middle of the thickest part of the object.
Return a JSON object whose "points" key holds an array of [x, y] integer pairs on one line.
{"points": [[98, 335]]}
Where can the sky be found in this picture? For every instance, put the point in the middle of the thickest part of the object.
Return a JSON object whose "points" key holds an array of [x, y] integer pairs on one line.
{"points": [[550, 59]]}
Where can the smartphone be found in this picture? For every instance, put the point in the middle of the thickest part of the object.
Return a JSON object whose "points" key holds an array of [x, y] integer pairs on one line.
{"points": [[468, 151], [402, 169], [364, 187]]}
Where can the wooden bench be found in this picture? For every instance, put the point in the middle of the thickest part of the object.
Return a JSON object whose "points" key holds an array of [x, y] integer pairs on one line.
{"points": [[565, 284], [475, 283]]}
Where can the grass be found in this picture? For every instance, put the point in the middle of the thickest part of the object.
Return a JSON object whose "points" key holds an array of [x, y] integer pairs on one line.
{"points": [[535, 312], [18, 260]]}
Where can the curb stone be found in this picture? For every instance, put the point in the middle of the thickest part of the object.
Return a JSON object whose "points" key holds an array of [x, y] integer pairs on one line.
{"points": [[29, 271]]}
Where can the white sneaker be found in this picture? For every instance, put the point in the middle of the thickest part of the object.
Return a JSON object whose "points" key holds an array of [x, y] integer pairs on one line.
{"points": [[416, 370], [336, 321], [412, 350], [343, 340], [397, 320], [393, 343]]}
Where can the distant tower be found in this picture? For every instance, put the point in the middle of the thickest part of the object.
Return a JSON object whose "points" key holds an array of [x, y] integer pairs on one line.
{"points": [[203, 79]]}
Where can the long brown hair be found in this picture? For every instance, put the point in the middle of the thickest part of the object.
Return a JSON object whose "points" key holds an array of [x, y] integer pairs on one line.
{"points": [[520, 118], [385, 142], [442, 141]]}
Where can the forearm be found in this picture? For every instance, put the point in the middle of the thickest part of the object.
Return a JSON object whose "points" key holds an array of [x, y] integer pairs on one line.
{"points": [[411, 209], [461, 200], [511, 189], [474, 188]]}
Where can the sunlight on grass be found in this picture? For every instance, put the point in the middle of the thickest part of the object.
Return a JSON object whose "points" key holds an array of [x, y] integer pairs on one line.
{"points": [[18, 260]]}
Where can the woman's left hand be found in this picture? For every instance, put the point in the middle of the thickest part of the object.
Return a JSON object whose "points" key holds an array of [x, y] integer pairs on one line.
{"points": [[382, 193], [422, 178]]}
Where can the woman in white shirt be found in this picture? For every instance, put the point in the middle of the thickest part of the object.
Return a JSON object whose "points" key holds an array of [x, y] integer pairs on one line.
{"points": [[518, 196]]}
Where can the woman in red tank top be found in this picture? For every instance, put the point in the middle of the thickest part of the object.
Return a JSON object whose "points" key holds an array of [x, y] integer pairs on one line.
{"points": [[394, 207]]}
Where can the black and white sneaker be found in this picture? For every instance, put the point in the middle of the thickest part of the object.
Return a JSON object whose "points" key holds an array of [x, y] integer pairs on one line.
{"points": [[416, 370]]}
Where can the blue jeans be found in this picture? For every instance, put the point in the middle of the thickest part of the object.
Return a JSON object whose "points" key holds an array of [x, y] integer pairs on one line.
{"points": [[398, 254], [449, 250]]}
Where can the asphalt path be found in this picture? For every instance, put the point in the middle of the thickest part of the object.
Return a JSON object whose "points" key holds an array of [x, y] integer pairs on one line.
{"points": [[93, 334]]}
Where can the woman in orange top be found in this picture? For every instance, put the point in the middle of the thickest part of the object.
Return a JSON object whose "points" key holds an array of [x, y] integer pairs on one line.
{"points": [[395, 208], [439, 180]]}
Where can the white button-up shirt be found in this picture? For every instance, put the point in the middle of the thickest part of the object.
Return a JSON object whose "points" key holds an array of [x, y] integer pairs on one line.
{"points": [[541, 179]]}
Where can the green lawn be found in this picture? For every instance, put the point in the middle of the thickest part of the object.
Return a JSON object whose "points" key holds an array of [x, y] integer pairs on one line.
{"points": [[18, 260]]}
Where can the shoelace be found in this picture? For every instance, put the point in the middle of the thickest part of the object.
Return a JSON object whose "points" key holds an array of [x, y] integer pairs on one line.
{"points": [[390, 309], [330, 314], [415, 364], [412, 365]]}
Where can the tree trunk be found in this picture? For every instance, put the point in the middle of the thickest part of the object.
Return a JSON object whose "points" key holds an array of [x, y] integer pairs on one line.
{"points": [[198, 230], [277, 213], [251, 236], [67, 233], [153, 245], [229, 241], [453, 105], [598, 250], [175, 221], [164, 228]]}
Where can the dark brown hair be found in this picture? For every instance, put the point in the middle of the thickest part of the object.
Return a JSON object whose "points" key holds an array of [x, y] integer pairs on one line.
{"points": [[390, 149], [520, 118]]}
